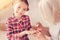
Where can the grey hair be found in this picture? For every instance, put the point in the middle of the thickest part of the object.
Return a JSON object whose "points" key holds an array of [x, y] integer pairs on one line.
{"points": [[49, 9]]}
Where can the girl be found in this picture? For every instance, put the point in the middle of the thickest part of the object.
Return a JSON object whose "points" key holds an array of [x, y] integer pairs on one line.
{"points": [[19, 24]]}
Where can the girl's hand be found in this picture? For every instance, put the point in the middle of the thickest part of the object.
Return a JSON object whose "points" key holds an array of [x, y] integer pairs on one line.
{"points": [[31, 32], [22, 33]]}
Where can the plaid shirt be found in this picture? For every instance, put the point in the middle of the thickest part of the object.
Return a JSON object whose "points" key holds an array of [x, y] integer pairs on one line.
{"points": [[15, 26]]}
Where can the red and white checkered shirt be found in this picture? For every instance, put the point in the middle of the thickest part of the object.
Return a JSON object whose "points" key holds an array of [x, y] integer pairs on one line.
{"points": [[15, 26]]}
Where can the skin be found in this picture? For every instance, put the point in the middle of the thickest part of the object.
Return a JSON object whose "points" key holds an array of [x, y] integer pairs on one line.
{"points": [[41, 31], [20, 9]]}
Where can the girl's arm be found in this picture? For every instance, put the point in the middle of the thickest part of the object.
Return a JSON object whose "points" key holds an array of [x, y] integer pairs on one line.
{"points": [[26, 32]]}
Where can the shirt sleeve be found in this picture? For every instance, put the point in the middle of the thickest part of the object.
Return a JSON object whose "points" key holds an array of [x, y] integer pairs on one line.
{"points": [[10, 32]]}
